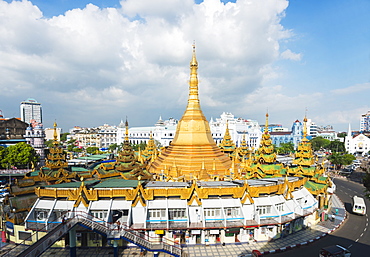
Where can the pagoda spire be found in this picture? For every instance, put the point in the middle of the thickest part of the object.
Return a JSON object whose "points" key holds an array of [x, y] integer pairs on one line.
{"points": [[304, 139], [265, 153], [126, 132], [227, 145], [193, 101], [193, 140], [55, 142], [267, 123]]}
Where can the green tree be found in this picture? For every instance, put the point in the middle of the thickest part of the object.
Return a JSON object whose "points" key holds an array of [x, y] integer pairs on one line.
{"points": [[319, 142], [2, 157], [49, 143], [366, 182], [341, 159], [92, 149], [348, 158], [336, 146], [142, 146], [285, 148], [63, 137], [77, 150], [71, 144], [342, 134], [113, 147], [21, 155], [70, 148]]}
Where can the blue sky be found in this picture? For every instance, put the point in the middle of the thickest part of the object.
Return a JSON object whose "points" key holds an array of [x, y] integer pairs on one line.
{"points": [[96, 62]]}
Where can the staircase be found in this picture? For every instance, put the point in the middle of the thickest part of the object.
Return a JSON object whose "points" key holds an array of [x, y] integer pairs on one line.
{"points": [[109, 230]]}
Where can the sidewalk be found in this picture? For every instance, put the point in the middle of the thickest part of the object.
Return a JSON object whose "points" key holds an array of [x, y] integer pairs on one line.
{"points": [[299, 238]]}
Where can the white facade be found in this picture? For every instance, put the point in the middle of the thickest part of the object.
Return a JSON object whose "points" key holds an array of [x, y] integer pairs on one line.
{"points": [[359, 144], [312, 128], [365, 122], [102, 136], [35, 137], [328, 134], [238, 127], [217, 219], [49, 133], [108, 135], [164, 131], [31, 110]]}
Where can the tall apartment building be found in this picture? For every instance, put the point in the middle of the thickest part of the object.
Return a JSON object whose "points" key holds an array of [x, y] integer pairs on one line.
{"points": [[35, 136], [312, 128], [31, 110], [365, 122]]}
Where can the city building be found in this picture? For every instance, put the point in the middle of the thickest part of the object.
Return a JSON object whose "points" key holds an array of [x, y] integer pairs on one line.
{"points": [[280, 135], [163, 132], [31, 110], [101, 137], [35, 137], [312, 129], [239, 128], [108, 136], [50, 133], [12, 131], [358, 144], [365, 122]]}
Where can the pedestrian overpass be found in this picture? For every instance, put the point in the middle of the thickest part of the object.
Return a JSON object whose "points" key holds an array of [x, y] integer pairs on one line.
{"points": [[109, 230]]}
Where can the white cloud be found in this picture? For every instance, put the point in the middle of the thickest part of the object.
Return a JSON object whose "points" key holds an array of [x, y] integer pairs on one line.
{"points": [[352, 89], [289, 55], [134, 60]]}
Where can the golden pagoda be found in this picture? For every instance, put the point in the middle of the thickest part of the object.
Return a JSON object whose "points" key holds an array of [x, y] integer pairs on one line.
{"points": [[265, 153], [193, 148], [150, 151], [227, 145], [126, 165]]}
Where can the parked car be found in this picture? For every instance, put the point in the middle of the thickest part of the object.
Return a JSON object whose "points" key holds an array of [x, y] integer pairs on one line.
{"points": [[334, 251]]}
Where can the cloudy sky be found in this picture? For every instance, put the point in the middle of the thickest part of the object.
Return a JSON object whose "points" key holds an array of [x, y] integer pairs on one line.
{"points": [[94, 62]]}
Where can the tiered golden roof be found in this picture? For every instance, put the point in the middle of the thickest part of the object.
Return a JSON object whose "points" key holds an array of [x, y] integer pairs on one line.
{"points": [[227, 145], [304, 155], [56, 159], [126, 165], [150, 151], [304, 164], [193, 147], [265, 153]]}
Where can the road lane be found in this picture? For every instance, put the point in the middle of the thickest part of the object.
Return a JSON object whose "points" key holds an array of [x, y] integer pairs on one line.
{"points": [[354, 232]]}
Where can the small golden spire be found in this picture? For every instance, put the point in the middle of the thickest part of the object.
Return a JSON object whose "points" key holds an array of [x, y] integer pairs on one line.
{"points": [[267, 123], [55, 134], [126, 133], [193, 101], [304, 139]]}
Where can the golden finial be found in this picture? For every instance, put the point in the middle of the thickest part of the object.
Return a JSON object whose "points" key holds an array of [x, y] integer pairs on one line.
{"points": [[304, 139], [55, 134], [193, 101], [126, 133], [267, 123], [194, 61]]}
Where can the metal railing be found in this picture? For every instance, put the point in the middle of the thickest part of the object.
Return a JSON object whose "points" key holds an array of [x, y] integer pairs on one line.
{"points": [[110, 230]]}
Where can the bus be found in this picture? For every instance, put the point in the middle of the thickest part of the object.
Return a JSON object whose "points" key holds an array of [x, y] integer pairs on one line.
{"points": [[358, 205]]}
